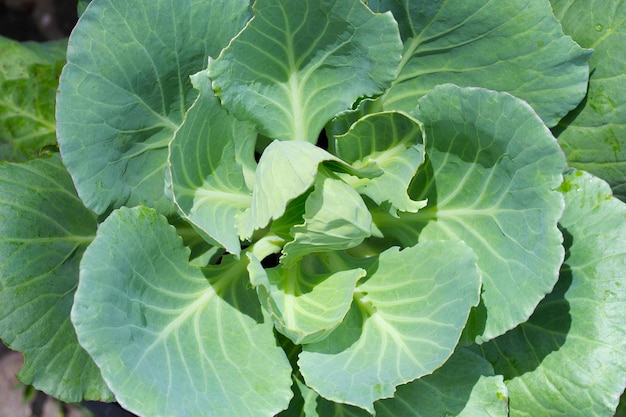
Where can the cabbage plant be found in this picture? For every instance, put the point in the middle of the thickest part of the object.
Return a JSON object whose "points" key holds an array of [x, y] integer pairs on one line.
{"points": [[324, 208]]}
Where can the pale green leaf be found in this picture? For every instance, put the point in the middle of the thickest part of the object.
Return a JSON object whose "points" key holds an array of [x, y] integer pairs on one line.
{"points": [[393, 140], [306, 304], [285, 171], [44, 230], [126, 88], [168, 339], [335, 218], [405, 322], [209, 186], [594, 136], [300, 62], [569, 359], [515, 46], [490, 178], [29, 74]]}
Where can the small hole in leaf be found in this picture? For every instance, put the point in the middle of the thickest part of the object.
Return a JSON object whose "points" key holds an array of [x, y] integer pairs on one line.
{"points": [[271, 261], [322, 140]]}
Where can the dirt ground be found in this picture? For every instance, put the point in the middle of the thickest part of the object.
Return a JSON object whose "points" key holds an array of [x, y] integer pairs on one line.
{"points": [[13, 399], [37, 20]]}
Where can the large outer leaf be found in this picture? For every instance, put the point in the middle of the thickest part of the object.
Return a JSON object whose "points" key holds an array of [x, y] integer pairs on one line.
{"points": [[300, 62], [490, 178], [209, 156], [594, 136], [126, 88], [405, 322], [569, 359], [29, 74], [515, 46], [170, 342], [44, 229]]}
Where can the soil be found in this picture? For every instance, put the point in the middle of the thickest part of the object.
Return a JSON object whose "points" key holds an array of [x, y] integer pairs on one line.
{"points": [[37, 20], [17, 400]]}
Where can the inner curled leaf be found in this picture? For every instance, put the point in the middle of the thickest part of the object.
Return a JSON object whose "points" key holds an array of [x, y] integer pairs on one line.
{"points": [[395, 142]]}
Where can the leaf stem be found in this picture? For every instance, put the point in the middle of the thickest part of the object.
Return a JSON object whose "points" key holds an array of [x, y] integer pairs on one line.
{"points": [[366, 306]]}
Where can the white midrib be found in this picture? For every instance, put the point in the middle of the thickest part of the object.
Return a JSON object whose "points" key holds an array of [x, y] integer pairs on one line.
{"points": [[175, 324], [240, 200], [398, 339], [458, 213], [388, 155], [185, 314], [297, 110], [470, 212], [407, 55], [295, 96], [206, 295]]}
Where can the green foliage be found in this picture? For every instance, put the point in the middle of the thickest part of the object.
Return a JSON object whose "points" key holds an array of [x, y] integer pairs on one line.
{"points": [[43, 233], [567, 342], [161, 320], [319, 208], [28, 80], [594, 135], [138, 107]]}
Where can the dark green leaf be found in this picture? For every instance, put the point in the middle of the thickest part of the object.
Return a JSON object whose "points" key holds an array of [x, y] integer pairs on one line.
{"points": [[594, 135], [515, 46], [465, 386], [44, 230], [126, 88], [569, 359], [29, 74]]}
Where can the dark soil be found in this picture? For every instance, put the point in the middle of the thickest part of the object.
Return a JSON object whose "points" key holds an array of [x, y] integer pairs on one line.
{"points": [[37, 20]]}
